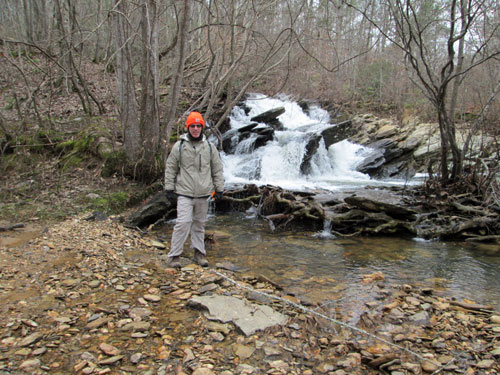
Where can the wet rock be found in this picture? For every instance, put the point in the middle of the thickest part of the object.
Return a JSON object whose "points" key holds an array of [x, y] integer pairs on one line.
{"points": [[338, 133], [310, 150], [269, 116], [228, 266]]}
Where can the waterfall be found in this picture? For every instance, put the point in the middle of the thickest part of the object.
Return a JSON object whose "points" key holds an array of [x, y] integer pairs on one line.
{"points": [[278, 161]]}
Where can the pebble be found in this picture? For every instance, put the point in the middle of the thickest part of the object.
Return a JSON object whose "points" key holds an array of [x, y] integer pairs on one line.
{"points": [[136, 326], [495, 319], [110, 360], [485, 363], [203, 371], [31, 339], [109, 349], [243, 351], [136, 358], [152, 298], [30, 364]]}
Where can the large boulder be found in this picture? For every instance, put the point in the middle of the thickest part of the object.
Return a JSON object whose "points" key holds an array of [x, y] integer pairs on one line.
{"points": [[151, 211], [311, 148], [269, 116], [233, 137], [372, 163], [338, 132]]}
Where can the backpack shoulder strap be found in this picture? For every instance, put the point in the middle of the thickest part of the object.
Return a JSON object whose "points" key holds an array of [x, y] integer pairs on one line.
{"points": [[181, 146]]}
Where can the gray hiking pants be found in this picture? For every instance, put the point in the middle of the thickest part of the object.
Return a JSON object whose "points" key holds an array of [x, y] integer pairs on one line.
{"points": [[191, 218]]}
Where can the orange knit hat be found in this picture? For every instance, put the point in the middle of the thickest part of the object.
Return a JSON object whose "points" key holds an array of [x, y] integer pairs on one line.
{"points": [[195, 118]]}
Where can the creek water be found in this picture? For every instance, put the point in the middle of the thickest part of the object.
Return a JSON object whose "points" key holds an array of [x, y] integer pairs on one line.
{"points": [[323, 269], [317, 266]]}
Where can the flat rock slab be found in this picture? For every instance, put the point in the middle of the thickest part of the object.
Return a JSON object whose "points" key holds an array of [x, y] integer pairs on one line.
{"points": [[248, 317]]}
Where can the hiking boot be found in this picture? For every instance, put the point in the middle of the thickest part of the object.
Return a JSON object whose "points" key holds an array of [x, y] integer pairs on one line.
{"points": [[174, 262], [200, 259]]}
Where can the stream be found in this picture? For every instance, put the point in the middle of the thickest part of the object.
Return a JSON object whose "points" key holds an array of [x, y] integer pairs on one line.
{"points": [[317, 266], [320, 268]]}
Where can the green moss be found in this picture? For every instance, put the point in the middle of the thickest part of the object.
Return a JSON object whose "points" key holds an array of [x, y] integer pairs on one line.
{"points": [[112, 203], [72, 162], [114, 163]]}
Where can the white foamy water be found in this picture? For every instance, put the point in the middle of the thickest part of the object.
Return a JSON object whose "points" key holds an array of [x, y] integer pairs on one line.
{"points": [[278, 162]]}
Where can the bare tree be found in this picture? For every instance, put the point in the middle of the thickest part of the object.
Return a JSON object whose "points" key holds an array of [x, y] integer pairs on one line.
{"points": [[125, 80], [423, 28], [179, 71], [150, 112]]}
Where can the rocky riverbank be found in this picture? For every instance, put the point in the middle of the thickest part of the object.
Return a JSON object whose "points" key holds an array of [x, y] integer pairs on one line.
{"points": [[80, 299]]}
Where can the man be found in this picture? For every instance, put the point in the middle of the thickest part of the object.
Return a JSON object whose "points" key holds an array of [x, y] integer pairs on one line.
{"points": [[193, 170]]}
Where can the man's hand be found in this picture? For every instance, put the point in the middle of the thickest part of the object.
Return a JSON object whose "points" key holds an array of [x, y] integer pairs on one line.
{"points": [[218, 196], [171, 196]]}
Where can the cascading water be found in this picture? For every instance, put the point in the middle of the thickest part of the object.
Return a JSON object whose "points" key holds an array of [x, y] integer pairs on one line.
{"points": [[279, 161]]}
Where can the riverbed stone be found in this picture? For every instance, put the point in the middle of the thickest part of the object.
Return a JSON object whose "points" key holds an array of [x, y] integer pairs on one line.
{"points": [[485, 364], [136, 326], [31, 339], [243, 351], [495, 319], [248, 317], [422, 317], [30, 364]]}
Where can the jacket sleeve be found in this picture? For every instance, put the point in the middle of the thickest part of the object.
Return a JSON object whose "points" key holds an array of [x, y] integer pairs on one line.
{"points": [[172, 167], [217, 169]]}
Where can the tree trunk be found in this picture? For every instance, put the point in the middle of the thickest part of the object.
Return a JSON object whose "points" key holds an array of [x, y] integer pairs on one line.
{"points": [[179, 73], [125, 81], [150, 117]]}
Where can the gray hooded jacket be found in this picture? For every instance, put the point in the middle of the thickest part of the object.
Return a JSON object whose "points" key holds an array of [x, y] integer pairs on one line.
{"points": [[194, 169]]}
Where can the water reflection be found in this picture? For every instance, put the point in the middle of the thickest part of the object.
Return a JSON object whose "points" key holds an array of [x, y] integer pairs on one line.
{"points": [[328, 269]]}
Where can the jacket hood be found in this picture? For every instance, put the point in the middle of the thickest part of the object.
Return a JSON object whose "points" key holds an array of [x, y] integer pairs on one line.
{"points": [[185, 137]]}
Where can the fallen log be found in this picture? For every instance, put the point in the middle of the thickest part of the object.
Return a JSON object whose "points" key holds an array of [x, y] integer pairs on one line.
{"points": [[11, 227], [356, 215], [376, 206]]}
